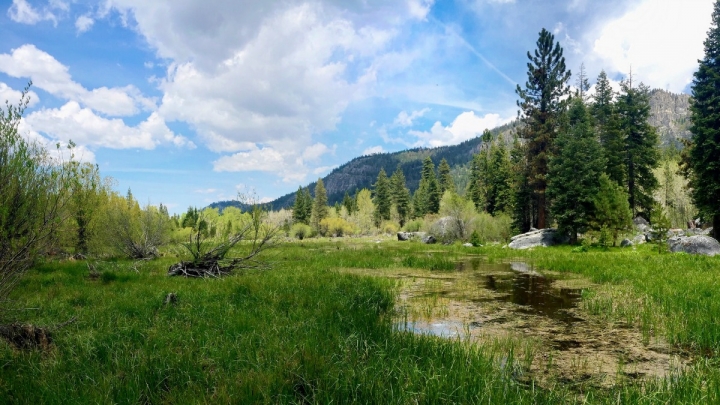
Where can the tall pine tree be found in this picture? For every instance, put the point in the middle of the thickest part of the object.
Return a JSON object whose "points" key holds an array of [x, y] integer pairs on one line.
{"points": [[641, 146], [320, 209], [611, 137], [445, 180], [383, 198], [542, 102], [574, 172], [704, 154], [400, 195], [429, 184]]}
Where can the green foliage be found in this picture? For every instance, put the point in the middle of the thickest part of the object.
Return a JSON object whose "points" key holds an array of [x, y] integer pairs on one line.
{"points": [[612, 210], [383, 198], [660, 227], [320, 208], [137, 232], [608, 128], [32, 198], [542, 103], [704, 153], [301, 231], [302, 208], [427, 197], [400, 195], [337, 227], [475, 239], [574, 172], [445, 180], [641, 146], [460, 214]]}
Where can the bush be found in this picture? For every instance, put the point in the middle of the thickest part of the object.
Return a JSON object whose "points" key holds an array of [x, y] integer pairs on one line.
{"points": [[390, 227], [301, 231], [492, 228], [335, 227], [414, 225], [475, 239]]}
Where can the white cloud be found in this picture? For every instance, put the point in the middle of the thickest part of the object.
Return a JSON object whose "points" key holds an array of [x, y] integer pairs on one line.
{"points": [[84, 23], [84, 127], [206, 191], [266, 159], [323, 169], [419, 9], [315, 151], [465, 126], [13, 96], [22, 12], [406, 120], [52, 76], [373, 150], [660, 39]]}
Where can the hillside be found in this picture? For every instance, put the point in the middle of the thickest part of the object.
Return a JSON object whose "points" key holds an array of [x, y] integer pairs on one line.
{"points": [[669, 113]]}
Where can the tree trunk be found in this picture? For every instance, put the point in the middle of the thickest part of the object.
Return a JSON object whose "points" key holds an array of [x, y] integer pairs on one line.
{"points": [[716, 226], [541, 210]]}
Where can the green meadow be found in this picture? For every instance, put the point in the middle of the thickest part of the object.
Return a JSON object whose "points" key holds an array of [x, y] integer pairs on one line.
{"points": [[306, 330]]}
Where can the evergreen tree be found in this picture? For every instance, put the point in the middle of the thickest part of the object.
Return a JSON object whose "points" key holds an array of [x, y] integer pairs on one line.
{"points": [[445, 180], [419, 202], [348, 203], [704, 153], [498, 179], [612, 210], [522, 192], [542, 102], [574, 172], [474, 192], [299, 207], [611, 137], [641, 146], [400, 194], [383, 198], [429, 184], [320, 208]]}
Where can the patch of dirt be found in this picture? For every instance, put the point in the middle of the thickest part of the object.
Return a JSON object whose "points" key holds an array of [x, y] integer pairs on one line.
{"points": [[26, 336]]}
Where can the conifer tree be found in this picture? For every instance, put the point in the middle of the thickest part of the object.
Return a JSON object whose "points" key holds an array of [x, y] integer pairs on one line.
{"points": [[498, 179], [429, 184], [348, 203], [522, 192], [473, 192], [612, 210], [611, 137], [320, 208], [299, 207], [400, 194], [641, 146], [445, 180], [574, 172], [704, 153], [383, 198], [542, 102]]}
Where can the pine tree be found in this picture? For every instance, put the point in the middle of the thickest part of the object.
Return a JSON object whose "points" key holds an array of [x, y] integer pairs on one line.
{"points": [[498, 179], [383, 198], [320, 208], [429, 184], [522, 192], [574, 172], [348, 203], [542, 102], [641, 146], [611, 137], [474, 192], [300, 207], [612, 210], [445, 180], [400, 194], [704, 153]]}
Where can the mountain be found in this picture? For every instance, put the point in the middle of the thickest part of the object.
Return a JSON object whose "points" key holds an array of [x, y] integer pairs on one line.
{"points": [[669, 113]]}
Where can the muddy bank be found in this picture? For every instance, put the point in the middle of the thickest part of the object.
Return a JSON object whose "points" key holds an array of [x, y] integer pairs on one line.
{"points": [[514, 303]]}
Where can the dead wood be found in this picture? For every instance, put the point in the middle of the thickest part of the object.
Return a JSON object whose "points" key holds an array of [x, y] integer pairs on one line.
{"points": [[27, 336]]}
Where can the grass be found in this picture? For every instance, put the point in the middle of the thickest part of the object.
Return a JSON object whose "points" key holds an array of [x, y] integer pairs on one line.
{"points": [[304, 332]]}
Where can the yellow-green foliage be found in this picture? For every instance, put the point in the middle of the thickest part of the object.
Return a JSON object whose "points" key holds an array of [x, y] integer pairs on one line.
{"points": [[301, 231], [334, 226], [490, 228], [672, 195], [389, 227]]}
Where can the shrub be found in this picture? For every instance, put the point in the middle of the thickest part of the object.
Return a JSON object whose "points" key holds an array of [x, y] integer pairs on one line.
{"points": [[335, 227], [301, 231], [414, 225], [475, 239], [390, 227], [492, 228]]}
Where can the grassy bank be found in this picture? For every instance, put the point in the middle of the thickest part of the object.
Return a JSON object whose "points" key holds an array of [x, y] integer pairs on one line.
{"points": [[304, 332]]}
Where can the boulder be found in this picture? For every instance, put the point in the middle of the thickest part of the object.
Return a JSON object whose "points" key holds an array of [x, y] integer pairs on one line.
{"points": [[405, 236], [639, 239], [626, 243], [697, 245], [641, 224], [429, 239], [675, 232], [542, 237]]}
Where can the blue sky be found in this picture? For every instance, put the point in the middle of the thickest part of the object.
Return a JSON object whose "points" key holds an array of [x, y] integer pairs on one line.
{"points": [[187, 102]]}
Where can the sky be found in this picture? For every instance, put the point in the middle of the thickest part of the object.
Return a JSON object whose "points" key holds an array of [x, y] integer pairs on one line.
{"points": [[187, 102]]}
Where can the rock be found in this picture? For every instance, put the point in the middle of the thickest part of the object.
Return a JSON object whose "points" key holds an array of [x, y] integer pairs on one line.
{"points": [[697, 245], [468, 244], [626, 243], [429, 239], [542, 237], [675, 232], [639, 239], [641, 224], [405, 236]]}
